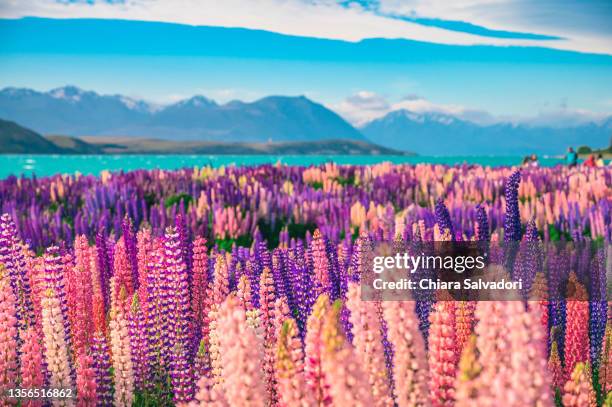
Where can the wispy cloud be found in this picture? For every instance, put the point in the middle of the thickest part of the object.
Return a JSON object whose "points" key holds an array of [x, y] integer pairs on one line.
{"points": [[350, 21], [365, 106]]}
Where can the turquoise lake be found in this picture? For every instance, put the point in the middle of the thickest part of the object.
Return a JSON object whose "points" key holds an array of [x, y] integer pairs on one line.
{"points": [[46, 165]]}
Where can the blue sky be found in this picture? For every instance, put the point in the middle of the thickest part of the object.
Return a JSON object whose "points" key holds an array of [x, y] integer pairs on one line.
{"points": [[484, 60]]}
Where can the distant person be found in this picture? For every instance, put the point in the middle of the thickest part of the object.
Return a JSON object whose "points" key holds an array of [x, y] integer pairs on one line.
{"points": [[600, 161], [526, 161], [590, 161], [533, 162], [571, 158]]}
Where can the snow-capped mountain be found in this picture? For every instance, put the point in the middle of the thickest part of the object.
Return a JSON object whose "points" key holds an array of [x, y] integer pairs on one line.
{"points": [[75, 112], [441, 134]]}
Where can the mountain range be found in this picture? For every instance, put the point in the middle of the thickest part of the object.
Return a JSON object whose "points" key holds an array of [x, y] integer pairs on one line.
{"points": [[71, 111], [75, 112], [441, 134]]}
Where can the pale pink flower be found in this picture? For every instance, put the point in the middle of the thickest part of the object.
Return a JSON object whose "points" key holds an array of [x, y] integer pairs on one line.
{"points": [[409, 360], [241, 354]]}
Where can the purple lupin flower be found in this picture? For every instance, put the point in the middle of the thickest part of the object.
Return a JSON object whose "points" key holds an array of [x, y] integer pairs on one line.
{"points": [[13, 259], [598, 307], [179, 312], [443, 218], [103, 268], [201, 363], [512, 221], [102, 368], [482, 222], [155, 318], [529, 259], [138, 343]]}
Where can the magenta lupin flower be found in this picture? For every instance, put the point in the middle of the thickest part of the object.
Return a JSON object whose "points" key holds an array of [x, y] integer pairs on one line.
{"points": [[82, 304], [8, 335], [85, 381]]}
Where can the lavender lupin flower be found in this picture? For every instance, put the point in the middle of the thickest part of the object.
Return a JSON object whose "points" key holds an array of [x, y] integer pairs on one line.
{"points": [[512, 221], [180, 319], [443, 218], [102, 367], [13, 259], [482, 223]]}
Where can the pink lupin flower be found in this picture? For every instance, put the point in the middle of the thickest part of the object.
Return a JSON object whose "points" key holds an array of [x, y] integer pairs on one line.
{"points": [[492, 344], [528, 381], [464, 320], [577, 327], [539, 293], [55, 344], [207, 395], [31, 364], [81, 298], [316, 377], [121, 354], [578, 391], [443, 354], [468, 385], [221, 280], [85, 381], [241, 353], [282, 312], [244, 292], [122, 271], [367, 338], [8, 335], [268, 327], [290, 368], [554, 366], [218, 293], [144, 247], [349, 384], [409, 360]]}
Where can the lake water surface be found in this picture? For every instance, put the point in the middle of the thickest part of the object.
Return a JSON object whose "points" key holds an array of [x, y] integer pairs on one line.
{"points": [[45, 165]]}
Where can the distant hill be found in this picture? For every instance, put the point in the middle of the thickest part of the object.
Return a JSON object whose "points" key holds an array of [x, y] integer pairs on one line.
{"points": [[73, 145], [15, 139], [440, 134], [75, 112], [131, 145]]}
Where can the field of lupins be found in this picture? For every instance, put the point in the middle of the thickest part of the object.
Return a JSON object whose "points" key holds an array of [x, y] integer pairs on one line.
{"points": [[241, 287]]}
